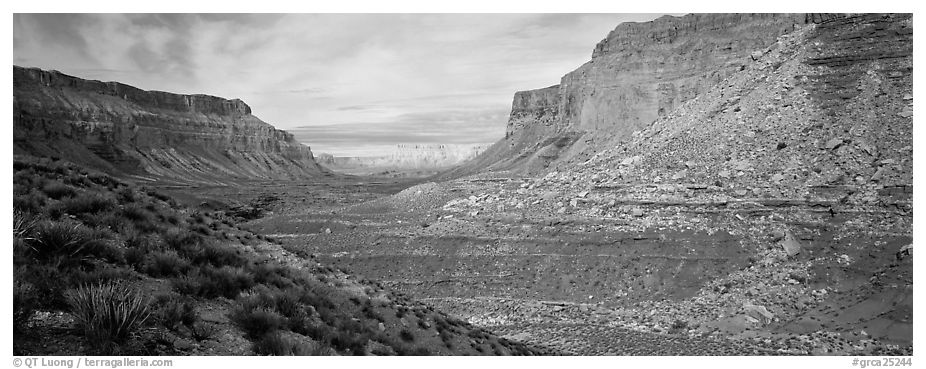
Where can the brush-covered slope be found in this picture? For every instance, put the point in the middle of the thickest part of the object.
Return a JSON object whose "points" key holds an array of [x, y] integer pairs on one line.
{"points": [[200, 284], [149, 134], [639, 72]]}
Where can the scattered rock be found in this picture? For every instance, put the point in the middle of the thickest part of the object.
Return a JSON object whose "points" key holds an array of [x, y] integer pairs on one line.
{"points": [[758, 312], [834, 144], [742, 165], [790, 244]]}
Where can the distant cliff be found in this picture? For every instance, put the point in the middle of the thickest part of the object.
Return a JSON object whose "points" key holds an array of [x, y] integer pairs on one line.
{"points": [[639, 72], [149, 134], [423, 157]]}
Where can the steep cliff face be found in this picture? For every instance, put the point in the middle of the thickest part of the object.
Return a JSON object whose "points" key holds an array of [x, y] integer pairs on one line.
{"points": [[640, 72], [149, 134]]}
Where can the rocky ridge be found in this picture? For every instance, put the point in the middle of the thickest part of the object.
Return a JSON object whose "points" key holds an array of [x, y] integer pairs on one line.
{"points": [[150, 135]]}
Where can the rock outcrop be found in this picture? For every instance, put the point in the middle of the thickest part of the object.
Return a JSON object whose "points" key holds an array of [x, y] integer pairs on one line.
{"points": [[638, 73], [150, 134]]}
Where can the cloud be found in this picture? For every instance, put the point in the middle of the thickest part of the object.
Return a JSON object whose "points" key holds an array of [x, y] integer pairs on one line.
{"points": [[406, 77]]}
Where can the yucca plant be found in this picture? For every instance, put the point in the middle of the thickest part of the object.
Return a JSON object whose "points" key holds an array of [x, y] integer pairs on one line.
{"points": [[108, 312], [60, 239], [23, 226]]}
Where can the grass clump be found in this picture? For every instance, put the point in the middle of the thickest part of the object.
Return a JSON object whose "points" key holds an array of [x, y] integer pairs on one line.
{"points": [[57, 190], [276, 344], [173, 311], [24, 303], [165, 264], [108, 313]]}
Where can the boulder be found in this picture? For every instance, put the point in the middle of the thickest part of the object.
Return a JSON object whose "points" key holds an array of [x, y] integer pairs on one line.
{"points": [[790, 244], [759, 313], [834, 144]]}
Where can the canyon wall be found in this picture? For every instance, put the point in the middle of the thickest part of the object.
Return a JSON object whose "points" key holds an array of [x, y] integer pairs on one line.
{"points": [[150, 134], [639, 72]]}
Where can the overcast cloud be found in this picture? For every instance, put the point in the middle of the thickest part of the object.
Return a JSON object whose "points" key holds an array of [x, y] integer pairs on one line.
{"points": [[350, 80]]}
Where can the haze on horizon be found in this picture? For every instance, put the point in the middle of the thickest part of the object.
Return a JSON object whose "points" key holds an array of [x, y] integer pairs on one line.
{"points": [[344, 84]]}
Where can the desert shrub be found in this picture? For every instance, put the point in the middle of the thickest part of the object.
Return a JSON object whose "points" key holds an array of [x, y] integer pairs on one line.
{"points": [[351, 341], [288, 303], [182, 240], [108, 312], [58, 190], [171, 217], [406, 335], [46, 282], [256, 321], [158, 195], [32, 202], [23, 225], [371, 313], [165, 264], [141, 218], [25, 300], [216, 254], [678, 326], [211, 282], [53, 238], [202, 331], [171, 311], [446, 337], [421, 351], [103, 180], [88, 203], [127, 195], [276, 344], [72, 242], [272, 274], [96, 273], [107, 219], [138, 246]]}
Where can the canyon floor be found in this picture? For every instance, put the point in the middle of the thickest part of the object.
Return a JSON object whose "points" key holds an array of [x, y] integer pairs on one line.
{"points": [[684, 277]]}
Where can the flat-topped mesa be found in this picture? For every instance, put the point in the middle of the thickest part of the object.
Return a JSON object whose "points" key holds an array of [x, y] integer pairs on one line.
{"points": [[122, 129], [204, 104]]}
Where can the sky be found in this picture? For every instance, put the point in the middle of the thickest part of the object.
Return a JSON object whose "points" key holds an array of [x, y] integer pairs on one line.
{"points": [[345, 84]]}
